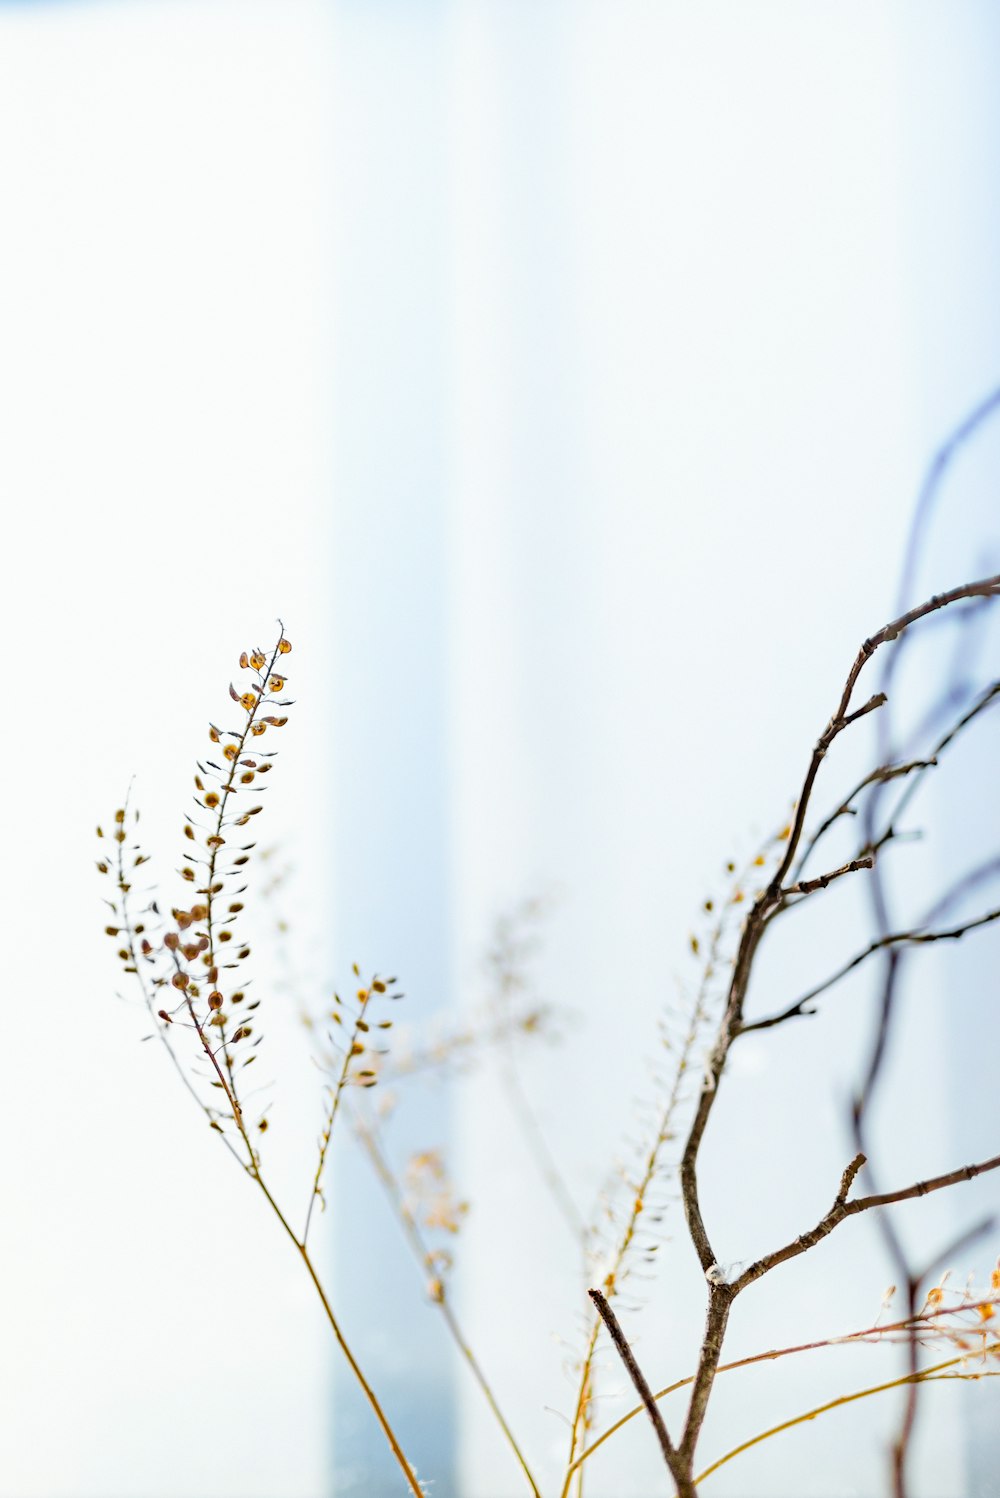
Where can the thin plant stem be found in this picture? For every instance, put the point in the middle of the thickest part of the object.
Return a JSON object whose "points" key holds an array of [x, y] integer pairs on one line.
{"points": [[872, 1333], [331, 1116], [215, 842], [253, 1169], [369, 1392], [366, 1136], [355, 1367], [924, 1375], [128, 928], [652, 1163]]}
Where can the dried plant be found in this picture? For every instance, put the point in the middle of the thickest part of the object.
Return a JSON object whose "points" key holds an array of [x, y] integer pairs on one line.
{"points": [[189, 963], [187, 983]]}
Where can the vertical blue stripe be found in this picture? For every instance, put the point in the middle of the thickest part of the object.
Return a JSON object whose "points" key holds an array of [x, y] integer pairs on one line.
{"points": [[389, 755]]}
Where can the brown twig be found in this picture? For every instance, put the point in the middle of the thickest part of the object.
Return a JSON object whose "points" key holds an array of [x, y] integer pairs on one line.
{"points": [[809, 886], [898, 938], [637, 1376], [842, 1209], [720, 1294], [987, 587], [846, 808]]}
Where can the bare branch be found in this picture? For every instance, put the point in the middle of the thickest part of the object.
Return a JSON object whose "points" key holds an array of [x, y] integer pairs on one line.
{"points": [[808, 886], [842, 1209], [896, 939], [927, 1320], [635, 1373], [882, 775], [719, 1303], [876, 700], [923, 1188], [987, 587], [764, 907]]}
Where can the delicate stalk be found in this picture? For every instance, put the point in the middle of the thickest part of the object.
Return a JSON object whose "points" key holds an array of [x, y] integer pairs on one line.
{"points": [[925, 1375], [868, 1334], [355, 1367], [331, 1117], [365, 1135]]}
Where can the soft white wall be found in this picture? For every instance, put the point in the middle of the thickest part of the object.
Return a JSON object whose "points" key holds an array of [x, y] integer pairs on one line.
{"points": [[165, 472], [609, 341]]}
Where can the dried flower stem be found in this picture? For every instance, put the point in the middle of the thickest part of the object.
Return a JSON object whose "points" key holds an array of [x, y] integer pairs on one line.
{"points": [[254, 1171], [205, 947], [335, 1096], [135, 968], [369, 1392], [215, 842], [366, 1134], [625, 1242], [874, 1333], [923, 1375], [651, 1166]]}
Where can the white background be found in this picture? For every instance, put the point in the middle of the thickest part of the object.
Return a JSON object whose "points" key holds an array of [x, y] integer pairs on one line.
{"points": [[646, 319]]}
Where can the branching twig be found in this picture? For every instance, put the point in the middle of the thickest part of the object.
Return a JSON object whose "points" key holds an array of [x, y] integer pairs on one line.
{"points": [[842, 1209], [846, 808], [896, 939], [809, 886], [721, 1295]]}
